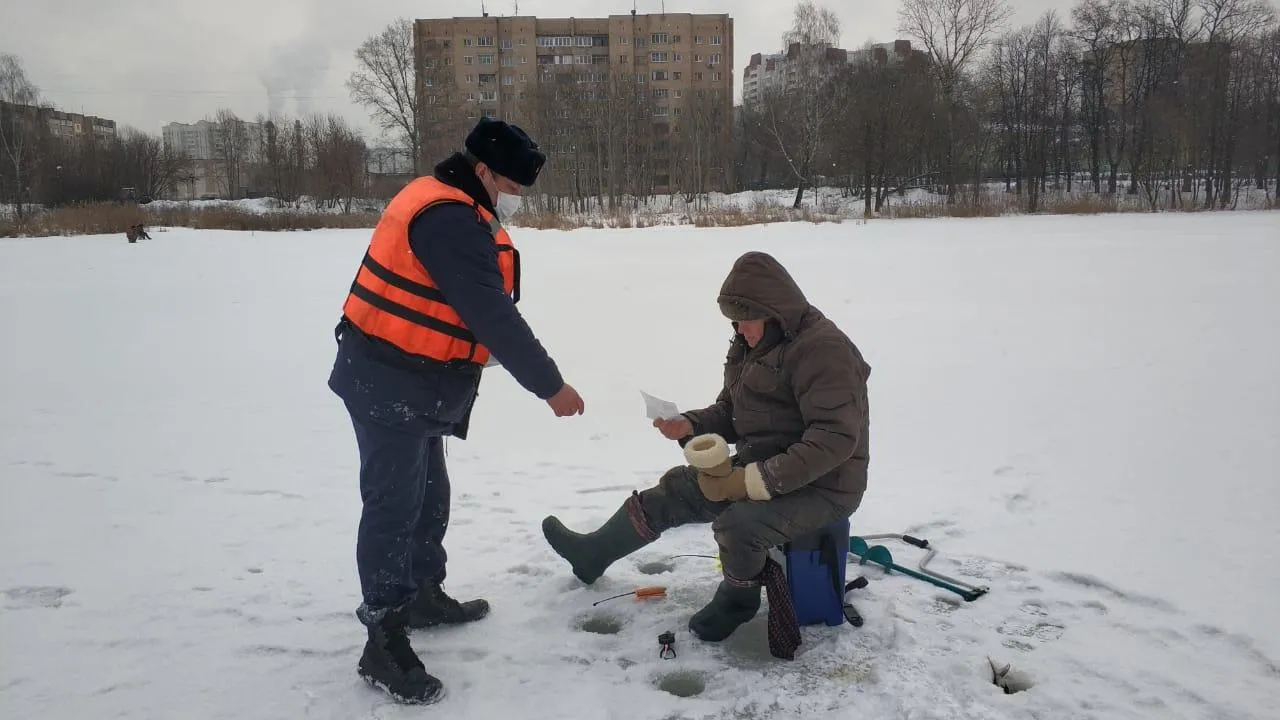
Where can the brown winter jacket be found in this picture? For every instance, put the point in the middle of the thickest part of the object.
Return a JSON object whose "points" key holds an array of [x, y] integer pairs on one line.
{"points": [[797, 402]]}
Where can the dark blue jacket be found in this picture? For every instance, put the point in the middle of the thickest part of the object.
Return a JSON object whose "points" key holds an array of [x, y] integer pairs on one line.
{"points": [[385, 384]]}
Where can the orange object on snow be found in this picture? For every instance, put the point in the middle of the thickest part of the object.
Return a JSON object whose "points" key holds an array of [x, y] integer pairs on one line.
{"points": [[655, 591]]}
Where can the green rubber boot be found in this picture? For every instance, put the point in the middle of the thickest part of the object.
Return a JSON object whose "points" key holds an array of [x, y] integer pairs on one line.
{"points": [[592, 553]]}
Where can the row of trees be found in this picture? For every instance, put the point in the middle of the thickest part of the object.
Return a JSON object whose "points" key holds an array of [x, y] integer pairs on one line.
{"points": [[319, 156], [1175, 100], [44, 168]]}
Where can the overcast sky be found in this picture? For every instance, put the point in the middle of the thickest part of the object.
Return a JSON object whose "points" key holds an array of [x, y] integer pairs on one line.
{"points": [[147, 63]]}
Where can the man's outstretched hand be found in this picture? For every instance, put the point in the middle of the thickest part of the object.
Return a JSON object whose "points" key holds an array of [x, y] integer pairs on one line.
{"points": [[566, 402], [674, 428]]}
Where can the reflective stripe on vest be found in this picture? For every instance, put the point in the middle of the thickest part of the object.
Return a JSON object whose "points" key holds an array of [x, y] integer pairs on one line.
{"points": [[393, 297]]}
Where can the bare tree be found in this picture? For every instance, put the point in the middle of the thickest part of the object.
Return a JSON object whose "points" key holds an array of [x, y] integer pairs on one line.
{"points": [[952, 32], [800, 114], [338, 153], [231, 151], [148, 165], [1095, 28], [19, 132], [385, 82]]}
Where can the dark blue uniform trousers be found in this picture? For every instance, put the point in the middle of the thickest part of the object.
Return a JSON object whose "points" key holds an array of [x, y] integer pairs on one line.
{"points": [[404, 486]]}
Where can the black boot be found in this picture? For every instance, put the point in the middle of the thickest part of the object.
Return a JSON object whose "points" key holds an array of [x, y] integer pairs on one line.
{"points": [[389, 663], [433, 607], [591, 554], [732, 606]]}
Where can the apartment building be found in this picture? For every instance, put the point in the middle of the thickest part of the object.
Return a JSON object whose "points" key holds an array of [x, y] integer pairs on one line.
{"points": [[778, 70], [202, 143], [472, 67], [66, 126]]}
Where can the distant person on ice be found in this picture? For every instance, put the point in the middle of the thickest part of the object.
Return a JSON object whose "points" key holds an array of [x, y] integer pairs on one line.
{"points": [[794, 402], [434, 298]]}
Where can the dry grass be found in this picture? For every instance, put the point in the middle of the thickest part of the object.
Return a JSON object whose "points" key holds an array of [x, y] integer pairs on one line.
{"points": [[759, 214], [996, 204], [111, 218]]}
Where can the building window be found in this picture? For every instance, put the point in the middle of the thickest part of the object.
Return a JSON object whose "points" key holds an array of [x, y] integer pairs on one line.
{"points": [[583, 59], [715, 59], [679, 94], [506, 44], [485, 42], [583, 41], [524, 60], [488, 78], [524, 79], [466, 42], [716, 77], [676, 57], [508, 61], [488, 95], [716, 40], [659, 75], [658, 38], [677, 75], [486, 59], [490, 113], [508, 80], [658, 57], [471, 79], [466, 60], [698, 39], [622, 59]]}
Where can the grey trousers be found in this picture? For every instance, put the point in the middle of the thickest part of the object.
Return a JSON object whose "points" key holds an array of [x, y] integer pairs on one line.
{"points": [[744, 530]]}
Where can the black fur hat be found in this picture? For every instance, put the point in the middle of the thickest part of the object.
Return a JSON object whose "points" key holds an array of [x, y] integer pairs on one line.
{"points": [[507, 150]]}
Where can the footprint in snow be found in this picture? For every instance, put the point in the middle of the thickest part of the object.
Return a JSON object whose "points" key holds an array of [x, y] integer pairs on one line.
{"points": [[35, 596], [1018, 502]]}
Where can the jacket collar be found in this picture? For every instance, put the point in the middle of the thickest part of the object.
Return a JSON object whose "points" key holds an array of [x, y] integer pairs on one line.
{"points": [[458, 172]]}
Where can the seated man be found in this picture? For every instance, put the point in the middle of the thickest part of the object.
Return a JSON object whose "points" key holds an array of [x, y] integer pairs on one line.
{"points": [[794, 403]]}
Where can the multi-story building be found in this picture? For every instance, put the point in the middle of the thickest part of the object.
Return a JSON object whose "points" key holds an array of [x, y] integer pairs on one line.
{"points": [[203, 143], [778, 70], [70, 127], [468, 67], [74, 126]]}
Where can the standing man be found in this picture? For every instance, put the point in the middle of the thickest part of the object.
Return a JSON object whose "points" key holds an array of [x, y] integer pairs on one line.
{"points": [[433, 302]]}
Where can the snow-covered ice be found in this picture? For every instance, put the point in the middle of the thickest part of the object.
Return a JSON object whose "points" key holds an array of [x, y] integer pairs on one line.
{"points": [[1080, 412]]}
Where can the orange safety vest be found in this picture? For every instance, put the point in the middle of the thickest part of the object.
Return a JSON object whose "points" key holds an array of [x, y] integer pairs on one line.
{"points": [[393, 297]]}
